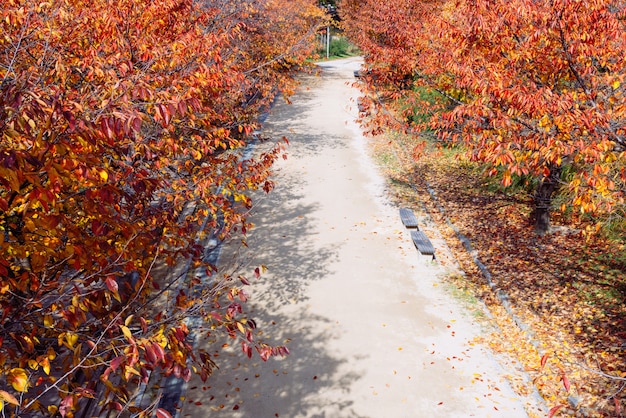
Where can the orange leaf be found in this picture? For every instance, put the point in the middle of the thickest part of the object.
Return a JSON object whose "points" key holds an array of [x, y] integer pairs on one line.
{"points": [[18, 379], [544, 359], [45, 363], [6, 396]]}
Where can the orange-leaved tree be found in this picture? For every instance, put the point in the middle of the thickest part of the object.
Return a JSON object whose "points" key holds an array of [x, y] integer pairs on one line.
{"points": [[542, 96], [535, 90], [123, 126], [392, 37]]}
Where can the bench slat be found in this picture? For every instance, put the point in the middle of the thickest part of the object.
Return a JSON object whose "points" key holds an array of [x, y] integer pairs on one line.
{"points": [[408, 218], [422, 243]]}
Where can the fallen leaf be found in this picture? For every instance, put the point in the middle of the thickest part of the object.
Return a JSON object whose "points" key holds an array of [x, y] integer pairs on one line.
{"points": [[554, 410]]}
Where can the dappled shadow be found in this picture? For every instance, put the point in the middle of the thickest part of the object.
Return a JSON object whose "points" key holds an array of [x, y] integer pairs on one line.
{"points": [[287, 387], [286, 239]]}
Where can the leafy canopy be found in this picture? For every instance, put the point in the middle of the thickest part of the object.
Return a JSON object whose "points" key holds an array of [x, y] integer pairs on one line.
{"points": [[531, 88], [123, 126]]}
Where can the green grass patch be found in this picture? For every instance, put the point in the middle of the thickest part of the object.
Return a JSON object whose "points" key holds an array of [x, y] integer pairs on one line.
{"points": [[422, 105], [339, 47]]}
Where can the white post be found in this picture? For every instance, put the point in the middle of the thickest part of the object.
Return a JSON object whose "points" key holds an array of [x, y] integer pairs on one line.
{"points": [[327, 42]]}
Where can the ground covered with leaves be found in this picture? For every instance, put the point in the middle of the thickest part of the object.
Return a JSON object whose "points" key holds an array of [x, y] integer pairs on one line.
{"points": [[566, 322]]}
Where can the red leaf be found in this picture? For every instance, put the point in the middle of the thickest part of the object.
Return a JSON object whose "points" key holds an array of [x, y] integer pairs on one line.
{"points": [[257, 272], [246, 349], [186, 374], [158, 351], [554, 410], [165, 114], [115, 363], [111, 284], [144, 324], [150, 354], [162, 413], [106, 128], [565, 382], [98, 228]]}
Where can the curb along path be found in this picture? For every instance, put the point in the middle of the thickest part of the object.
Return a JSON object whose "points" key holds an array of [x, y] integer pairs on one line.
{"points": [[371, 331]]}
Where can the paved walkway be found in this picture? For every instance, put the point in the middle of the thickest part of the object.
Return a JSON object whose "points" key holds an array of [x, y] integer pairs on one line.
{"points": [[371, 330]]}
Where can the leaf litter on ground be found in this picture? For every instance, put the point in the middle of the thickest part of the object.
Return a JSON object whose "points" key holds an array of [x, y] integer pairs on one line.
{"points": [[568, 287]]}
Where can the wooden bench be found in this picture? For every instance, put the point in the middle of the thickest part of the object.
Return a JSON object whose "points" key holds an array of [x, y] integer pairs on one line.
{"points": [[408, 218], [422, 243]]}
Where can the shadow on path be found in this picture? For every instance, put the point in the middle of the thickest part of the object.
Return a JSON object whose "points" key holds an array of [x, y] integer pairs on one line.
{"points": [[370, 331]]}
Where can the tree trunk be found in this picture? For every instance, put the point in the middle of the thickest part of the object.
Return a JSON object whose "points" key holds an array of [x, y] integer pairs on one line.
{"points": [[543, 200]]}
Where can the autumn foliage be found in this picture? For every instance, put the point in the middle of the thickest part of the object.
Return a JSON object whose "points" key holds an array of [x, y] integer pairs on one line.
{"points": [[531, 92], [533, 89], [123, 129]]}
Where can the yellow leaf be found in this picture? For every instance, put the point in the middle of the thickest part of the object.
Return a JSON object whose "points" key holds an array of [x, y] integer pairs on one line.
{"points": [[128, 320], [33, 364], [104, 175], [615, 85], [544, 121], [18, 379], [71, 339], [130, 370], [126, 332]]}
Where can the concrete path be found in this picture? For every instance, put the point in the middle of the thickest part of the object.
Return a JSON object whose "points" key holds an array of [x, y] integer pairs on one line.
{"points": [[372, 332]]}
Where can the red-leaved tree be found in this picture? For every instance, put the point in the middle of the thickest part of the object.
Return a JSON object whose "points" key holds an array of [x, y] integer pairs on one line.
{"points": [[123, 126]]}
